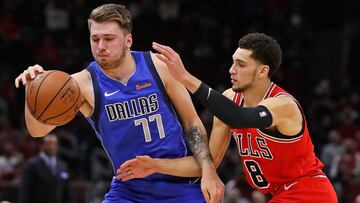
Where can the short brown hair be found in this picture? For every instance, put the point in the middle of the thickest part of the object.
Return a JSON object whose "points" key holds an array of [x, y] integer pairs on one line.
{"points": [[112, 12], [264, 49]]}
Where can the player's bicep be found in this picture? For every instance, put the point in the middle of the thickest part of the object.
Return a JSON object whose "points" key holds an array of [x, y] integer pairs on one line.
{"points": [[287, 117], [183, 104], [84, 80]]}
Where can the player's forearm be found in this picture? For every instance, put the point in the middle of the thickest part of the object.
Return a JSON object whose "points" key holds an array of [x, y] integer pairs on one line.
{"points": [[35, 128], [230, 113], [190, 82], [199, 145], [182, 167]]}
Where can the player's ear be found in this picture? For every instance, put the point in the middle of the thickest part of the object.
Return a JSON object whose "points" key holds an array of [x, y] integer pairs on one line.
{"points": [[263, 71], [129, 40]]}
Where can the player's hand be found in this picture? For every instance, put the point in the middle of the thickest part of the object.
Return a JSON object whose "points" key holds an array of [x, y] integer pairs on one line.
{"points": [[139, 167], [28, 75], [211, 185], [172, 60]]}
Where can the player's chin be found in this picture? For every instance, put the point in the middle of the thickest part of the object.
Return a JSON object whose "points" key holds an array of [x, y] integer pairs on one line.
{"points": [[103, 62]]}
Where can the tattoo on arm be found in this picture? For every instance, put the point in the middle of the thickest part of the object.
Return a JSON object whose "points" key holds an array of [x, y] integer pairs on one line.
{"points": [[198, 143]]}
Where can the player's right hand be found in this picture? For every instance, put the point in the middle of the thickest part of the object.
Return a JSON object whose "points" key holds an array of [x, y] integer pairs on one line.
{"points": [[28, 75], [139, 167]]}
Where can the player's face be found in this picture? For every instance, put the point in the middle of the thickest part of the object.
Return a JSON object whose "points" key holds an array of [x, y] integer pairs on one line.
{"points": [[109, 43], [243, 70]]}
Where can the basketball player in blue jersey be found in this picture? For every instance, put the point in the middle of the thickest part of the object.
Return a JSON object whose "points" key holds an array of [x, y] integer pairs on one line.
{"points": [[136, 107]]}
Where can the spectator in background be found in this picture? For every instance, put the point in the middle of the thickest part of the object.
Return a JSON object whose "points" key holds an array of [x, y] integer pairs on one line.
{"points": [[45, 178], [10, 161], [331, 151]]}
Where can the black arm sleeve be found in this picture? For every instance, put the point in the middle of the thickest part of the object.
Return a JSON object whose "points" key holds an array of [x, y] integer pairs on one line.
{"points": [[230, 113]]}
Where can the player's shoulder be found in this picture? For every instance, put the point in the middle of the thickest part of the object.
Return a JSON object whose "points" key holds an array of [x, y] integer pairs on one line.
{"points": [[162, 69], [159, 65], [82, 78], [229, 93]]}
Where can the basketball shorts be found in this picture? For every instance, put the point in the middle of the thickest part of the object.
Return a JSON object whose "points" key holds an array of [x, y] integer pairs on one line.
{"points": [[139, 190], [306, 190]]}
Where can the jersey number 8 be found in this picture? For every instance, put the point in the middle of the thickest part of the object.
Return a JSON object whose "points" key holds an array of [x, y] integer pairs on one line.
{"points": [[256, 175]]}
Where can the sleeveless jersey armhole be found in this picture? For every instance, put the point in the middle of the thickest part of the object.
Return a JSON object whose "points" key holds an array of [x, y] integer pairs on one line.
{"points": [[97, 97]]}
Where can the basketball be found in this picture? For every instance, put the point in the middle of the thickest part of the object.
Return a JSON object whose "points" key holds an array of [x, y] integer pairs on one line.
{"points": [[53, 97]]}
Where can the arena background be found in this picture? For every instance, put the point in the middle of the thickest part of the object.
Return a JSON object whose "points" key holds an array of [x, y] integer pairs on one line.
{"points": [[320, 42]]}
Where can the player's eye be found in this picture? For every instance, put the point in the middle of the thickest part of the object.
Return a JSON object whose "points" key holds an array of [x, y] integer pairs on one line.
{"points": [[95, 39], [109, 39]]}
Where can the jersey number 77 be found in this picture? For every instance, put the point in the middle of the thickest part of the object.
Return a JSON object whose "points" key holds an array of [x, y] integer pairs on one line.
{"points": [[144, 122]]}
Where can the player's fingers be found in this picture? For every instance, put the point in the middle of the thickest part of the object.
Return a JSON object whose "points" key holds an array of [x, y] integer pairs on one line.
{"points": [[162, 58], [128, 177], [206, 195], [17, 81], [124, 167], [221, 192], [128, 165], [38, 68], [216, 197], [161, 49], [35, 70], [32, 72], [124, 176], [167, 49], [24, 77]]}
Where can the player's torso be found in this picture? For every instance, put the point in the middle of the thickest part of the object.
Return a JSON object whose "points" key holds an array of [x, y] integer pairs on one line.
{"points": [[136, 118], [271, 159]]}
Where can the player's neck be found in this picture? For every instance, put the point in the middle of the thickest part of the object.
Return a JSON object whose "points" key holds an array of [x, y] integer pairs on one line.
{"points": [[254, 95], [123, 70]]}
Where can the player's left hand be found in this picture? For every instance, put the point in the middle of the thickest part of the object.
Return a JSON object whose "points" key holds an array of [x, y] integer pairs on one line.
{"points": [[139, 167], [211, 186]]}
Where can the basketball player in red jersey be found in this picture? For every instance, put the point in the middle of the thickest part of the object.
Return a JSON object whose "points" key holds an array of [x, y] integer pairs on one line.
{"points": [[267, 123]]}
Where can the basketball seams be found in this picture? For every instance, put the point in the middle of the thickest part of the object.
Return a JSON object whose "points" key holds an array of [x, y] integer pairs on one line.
{"points": [[70, 108], [60, 89], [57, 97], [36, 95]]}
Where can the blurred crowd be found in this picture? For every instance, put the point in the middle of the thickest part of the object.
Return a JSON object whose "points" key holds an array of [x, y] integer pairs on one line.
{"points": [[319, 42]]}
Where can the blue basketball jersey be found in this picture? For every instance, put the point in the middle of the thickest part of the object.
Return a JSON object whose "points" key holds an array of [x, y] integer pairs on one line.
{"points": [[136, 118]]}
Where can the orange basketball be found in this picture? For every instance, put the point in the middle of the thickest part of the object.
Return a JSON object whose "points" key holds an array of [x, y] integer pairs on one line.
{"points": [[53, 97]]}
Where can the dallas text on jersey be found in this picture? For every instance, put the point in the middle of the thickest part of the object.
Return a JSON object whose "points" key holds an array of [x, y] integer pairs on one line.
{"points": [[133, 108]]}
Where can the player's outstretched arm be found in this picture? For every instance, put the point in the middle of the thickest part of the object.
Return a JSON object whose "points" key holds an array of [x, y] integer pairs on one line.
{"points": [[219, 105], [143, 166], [35, 128]]}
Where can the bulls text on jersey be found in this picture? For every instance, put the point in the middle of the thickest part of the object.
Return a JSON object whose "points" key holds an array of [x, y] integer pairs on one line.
{"points": [[258, 149]]}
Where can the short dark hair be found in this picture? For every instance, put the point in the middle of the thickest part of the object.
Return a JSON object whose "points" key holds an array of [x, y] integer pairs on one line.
{"points": [[264, 49], [112, 12]]}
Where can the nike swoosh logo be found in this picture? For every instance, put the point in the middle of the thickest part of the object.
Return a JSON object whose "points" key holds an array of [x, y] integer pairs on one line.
{"points": [[289, 186], [106, 94]]}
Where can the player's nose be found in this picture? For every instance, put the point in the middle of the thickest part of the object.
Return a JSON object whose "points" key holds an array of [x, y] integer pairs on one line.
{"points": [[101, 45], [232, 69]]}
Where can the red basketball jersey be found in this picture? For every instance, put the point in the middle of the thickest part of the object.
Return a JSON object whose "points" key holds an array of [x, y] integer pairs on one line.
{"points": [[271, 159]]}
